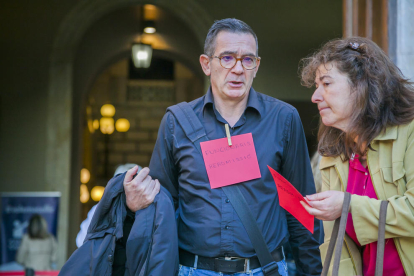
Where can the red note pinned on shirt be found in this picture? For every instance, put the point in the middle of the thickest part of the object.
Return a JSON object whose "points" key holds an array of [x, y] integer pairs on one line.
{"points": [[290, 198], [228, 165]]}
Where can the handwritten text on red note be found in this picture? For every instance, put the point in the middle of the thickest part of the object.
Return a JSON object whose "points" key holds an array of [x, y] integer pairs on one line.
{"points": [[228, 165], [290, 198]]}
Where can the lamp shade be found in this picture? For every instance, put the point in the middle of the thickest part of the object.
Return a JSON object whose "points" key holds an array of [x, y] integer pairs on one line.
{"points": [[84, 193], [141, 55], [85, 175], [107, 110], [95, 124], [149, 27], [97, 193], [122, 125], [90, 126], [107, 125]]}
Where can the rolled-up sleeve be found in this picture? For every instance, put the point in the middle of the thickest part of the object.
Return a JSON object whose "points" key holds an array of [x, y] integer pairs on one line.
{"points": [[297, 170]]}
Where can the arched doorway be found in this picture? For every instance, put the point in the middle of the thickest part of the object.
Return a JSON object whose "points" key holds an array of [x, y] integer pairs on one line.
{"points": [[63, 151]]}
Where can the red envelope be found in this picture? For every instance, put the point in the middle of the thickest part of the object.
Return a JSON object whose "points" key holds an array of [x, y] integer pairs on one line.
{"points": [[290, 198], [227, 165]]}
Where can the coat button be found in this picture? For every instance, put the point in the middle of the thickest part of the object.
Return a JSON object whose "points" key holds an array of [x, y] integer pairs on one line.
{"points": [[226, 227], [110, 258], [227, 200]]}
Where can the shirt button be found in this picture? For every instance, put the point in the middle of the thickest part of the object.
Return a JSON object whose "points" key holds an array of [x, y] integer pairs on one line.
{"points": [[366, 173], [110, 258], [227, 200], [226, 227]]}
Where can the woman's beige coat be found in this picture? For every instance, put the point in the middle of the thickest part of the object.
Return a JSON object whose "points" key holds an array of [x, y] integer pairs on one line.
{"points": [[391, 165], [38, 254]]}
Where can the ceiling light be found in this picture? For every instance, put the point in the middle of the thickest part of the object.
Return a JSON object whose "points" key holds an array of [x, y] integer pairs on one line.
{"points": [[141, 55], [149, 27], [107, 110]]}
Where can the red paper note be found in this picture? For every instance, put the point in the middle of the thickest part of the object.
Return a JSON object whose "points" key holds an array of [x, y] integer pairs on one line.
{"points": [[290, 198], [228, 165]]}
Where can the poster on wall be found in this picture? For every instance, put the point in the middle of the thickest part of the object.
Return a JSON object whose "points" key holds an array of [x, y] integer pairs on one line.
{"points": [[16, 210]]}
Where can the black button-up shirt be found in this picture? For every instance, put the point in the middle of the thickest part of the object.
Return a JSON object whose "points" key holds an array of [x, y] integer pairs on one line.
{"points": [[207, 224]]}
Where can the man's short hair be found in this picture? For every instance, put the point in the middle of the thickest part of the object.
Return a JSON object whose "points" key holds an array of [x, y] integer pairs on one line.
{"points": [[232, 25]]}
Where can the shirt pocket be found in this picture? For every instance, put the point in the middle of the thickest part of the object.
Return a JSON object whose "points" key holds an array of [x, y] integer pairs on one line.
{"points": [[394, 176]]}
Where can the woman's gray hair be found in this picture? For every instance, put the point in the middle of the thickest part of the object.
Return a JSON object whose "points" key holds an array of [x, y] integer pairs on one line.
{"points": [[231, 25]]}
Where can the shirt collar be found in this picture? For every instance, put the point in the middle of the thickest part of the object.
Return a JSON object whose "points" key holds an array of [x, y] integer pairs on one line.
{"points": [[356, 164], [208, 98], [252, 101]]}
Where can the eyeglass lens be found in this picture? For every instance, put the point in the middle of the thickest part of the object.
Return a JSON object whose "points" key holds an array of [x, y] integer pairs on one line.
{"points": [[229, 61]]}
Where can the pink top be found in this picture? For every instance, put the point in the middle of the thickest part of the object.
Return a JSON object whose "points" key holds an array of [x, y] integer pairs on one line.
{"points": [[360, 183]]}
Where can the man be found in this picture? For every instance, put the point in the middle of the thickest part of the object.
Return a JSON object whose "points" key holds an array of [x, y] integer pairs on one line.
{"points": [[208, 226]]}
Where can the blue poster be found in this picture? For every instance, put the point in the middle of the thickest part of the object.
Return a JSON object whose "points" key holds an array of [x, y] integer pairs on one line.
{"points": [[16, 211]]}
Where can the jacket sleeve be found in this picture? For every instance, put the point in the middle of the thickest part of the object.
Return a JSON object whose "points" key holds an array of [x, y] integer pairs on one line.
{"points": [[297, 170], [96, 255], [152, 247], [162, 165], [163, 258], [348, 265], [400, 211]]}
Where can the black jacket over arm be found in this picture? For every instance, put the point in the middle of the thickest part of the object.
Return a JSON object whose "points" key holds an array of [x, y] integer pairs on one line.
{"points": [[152, 245]]}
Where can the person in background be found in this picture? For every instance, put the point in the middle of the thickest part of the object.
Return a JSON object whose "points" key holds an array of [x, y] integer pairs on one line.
{"points": [[366, 138], [38, 247], [85, 224]]}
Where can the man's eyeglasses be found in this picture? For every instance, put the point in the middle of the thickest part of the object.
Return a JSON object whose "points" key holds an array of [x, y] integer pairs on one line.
{"points": [[228, 61]]}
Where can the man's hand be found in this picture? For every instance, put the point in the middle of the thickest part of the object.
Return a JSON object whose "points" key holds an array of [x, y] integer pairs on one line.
{"points": [[141, 190], [326, 205]]}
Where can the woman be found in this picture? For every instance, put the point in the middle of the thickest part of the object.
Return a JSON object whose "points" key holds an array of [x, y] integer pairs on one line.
{"points": [[38, 248], [366, 138]]}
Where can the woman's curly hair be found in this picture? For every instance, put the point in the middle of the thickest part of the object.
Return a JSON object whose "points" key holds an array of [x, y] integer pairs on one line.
{"points": [[383, 96]]}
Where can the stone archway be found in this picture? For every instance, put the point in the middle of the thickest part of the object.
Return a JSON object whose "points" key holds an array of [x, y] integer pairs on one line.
{"points": [[60, 94]]}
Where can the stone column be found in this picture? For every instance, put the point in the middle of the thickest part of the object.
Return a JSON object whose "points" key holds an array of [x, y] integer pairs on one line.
{"points": [[401, 35]]}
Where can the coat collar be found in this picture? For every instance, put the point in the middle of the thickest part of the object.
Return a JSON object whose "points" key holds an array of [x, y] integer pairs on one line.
{"points": [[329, 162], [390, 133]]}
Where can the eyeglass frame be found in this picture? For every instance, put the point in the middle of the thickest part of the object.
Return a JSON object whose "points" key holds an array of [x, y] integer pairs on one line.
{"points": [[237, 59]]}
